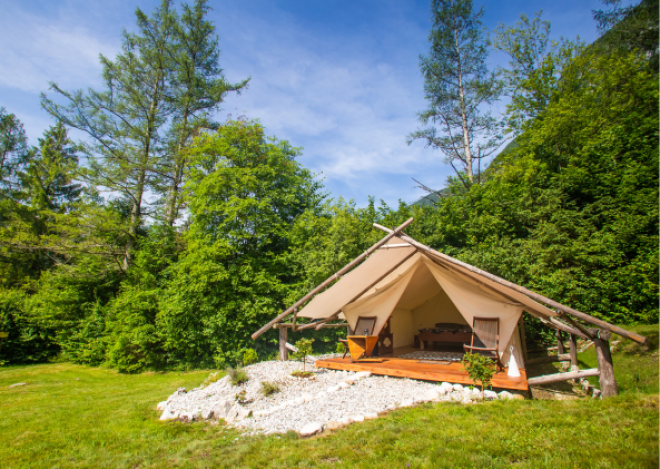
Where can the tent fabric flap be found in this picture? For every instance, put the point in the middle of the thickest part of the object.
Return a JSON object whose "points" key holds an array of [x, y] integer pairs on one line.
{"points": [[353, 284], [382, 302], [473, 300]]}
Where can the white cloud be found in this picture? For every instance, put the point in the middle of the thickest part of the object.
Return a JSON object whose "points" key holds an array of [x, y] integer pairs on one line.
{"points": [[34, 51]]}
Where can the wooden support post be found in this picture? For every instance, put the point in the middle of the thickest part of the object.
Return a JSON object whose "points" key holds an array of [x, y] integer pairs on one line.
{"points": [[560, 343], [573, 352], [608, 384], [284, 352], [523, 339]]}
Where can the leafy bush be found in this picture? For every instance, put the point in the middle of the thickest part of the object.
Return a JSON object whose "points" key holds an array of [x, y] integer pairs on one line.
{"points": [[268, 388], [304, 347], [250, 357], [341, 348], [480, 368], [237, 375]]}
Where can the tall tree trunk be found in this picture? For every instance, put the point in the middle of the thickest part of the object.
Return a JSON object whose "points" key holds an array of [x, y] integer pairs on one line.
{"points": [[466, 135], [136, 210]]}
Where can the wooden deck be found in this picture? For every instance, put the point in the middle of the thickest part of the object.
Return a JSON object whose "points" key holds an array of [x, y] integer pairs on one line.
{"points": [[408, 368]]}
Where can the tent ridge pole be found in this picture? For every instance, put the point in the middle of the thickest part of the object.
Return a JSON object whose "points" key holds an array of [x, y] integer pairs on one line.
{"points": [[535, 296], [333, 277]]}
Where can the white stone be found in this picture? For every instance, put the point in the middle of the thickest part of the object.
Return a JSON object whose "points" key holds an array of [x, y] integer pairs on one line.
{"points": [[431, 395], [370, 415], [346, 421], [349, 381], [220, 410], [596, 393], [505, 395], [332, 388], [232, 414], [188, 416], [333, 425], [457, 387], [362, 374], [446, 388], [490, 394], [243, 413], [344, 385], [476, 392], [407, 403], [168, 415], [307, 397], [391, 406], [161, 406], [311, 429], [207, 414], [358, 418], [321, 395]]}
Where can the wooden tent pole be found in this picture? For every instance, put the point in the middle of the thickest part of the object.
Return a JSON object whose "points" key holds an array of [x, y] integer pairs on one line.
{"points": [[574, 353], [523, 339], [554, 323], [535, 296], [562, 377], [333, 277], [284, 353]]}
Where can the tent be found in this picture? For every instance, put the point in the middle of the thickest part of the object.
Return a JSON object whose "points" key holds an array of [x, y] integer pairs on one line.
{"points": [[417, 292], [415, 287]]}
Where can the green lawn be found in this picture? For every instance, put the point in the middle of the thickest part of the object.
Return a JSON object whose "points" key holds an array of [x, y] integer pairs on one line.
{"points": [[76, 416]]}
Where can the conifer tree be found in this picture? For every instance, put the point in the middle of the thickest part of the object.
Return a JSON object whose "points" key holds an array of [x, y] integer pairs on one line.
{"points": [[197, 88], [458, 84], [125, 120], [13, 151]]}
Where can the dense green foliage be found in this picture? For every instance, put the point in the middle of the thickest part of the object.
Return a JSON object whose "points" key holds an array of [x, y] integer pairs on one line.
{"points": [[90, 274]]}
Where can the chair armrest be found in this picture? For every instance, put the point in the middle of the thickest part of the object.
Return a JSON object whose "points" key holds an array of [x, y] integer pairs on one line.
{"points": [[344, 341]]}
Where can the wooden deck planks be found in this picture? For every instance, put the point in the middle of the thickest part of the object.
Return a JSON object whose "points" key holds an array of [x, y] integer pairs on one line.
{"points": [[406, 368]]}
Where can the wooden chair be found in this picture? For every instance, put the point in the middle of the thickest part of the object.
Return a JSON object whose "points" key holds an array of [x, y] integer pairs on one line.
{"points": [[363, 322], [486, 339]]}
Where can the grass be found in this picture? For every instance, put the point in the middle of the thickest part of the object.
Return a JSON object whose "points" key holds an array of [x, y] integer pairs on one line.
{"points": [[70, 416]]}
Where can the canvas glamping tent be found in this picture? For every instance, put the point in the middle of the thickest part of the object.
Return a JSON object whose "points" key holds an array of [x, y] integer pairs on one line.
{"points": [[412, 288]]}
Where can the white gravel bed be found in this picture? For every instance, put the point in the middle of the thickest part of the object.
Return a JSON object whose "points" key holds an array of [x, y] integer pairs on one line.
{"points": [[329, 400]]}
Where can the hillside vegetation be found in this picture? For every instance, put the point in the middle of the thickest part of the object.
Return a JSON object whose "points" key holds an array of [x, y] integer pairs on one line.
{"points": [[93, 271]]}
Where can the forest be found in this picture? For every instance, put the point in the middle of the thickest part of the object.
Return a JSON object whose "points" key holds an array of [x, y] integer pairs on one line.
{"points": [[162, 238]]}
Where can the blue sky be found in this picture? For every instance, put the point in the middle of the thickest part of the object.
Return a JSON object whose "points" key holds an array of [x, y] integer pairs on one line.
{"points": [[339, 78]]}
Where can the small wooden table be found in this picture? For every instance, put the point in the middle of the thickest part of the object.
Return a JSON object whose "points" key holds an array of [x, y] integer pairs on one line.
{"points": [[361, 346]]}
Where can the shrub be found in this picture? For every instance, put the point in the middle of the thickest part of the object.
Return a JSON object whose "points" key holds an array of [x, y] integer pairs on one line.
{"points": [[268, 388], [250, 357], [237, 375], [340, 348], [304, 347], [480, 368]]}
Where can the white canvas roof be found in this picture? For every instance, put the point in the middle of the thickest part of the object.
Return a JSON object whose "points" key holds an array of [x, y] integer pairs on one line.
{"points": [[402, 277]]}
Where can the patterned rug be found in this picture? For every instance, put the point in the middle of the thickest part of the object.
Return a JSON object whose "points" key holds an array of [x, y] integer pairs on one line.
{"points": [[433, 355]]}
